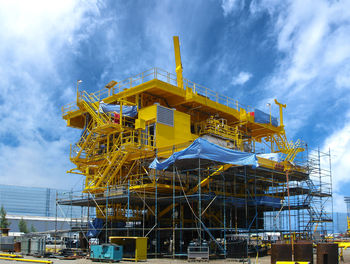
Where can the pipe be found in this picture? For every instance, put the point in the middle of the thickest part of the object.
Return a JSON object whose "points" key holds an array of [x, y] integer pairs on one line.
{"points": [[28, 260], [10, 255]]}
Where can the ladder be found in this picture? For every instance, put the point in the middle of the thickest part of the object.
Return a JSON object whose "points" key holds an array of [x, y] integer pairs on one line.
{"points": [[90, 103], [112, 164]]}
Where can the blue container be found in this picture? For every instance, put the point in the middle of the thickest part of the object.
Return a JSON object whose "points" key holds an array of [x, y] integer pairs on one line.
{"points": [[111, 252]]}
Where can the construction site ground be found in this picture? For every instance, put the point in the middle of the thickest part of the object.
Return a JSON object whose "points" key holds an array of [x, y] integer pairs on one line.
{"points": [[263, 260]]}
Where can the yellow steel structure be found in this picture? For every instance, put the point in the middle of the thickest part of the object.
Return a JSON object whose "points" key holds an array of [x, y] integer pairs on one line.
{"points": [[171, 113], [292, 262]]}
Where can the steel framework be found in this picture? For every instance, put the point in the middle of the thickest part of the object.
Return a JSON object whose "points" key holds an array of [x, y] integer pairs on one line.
{"points": [[155, 114]]}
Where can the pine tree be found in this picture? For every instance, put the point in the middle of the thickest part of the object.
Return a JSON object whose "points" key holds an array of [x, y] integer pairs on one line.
{"points": [[33, 229], [22, 226], [4, 223]]}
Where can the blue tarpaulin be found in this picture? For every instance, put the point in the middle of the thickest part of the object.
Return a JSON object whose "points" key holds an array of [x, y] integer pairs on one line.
{"points": [[128, 110], [263, 118], [260, 200], [201, 148], [95, 228], [268, 201], [274, 202]]}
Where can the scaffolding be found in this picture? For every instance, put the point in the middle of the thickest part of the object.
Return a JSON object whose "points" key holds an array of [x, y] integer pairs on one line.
{"points": [[347, 201], [155, 115]]}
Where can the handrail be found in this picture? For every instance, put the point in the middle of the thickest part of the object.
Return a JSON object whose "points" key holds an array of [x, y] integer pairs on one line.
{"points": [[162, 75], [137, 138]]}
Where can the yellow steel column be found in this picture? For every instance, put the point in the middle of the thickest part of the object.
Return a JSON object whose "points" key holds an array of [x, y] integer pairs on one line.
{"points": [[281, 106], [178, 62]]}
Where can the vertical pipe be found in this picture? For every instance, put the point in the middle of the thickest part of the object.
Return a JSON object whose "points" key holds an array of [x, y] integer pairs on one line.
{"points": [[71, 218], [199, 202], [128, 211], [256, 214], [331, 185], [88, 218], [173, 244], [289, 218], [106, 239], [156, 212], [181, 225], [246, 207], [56, 223], [235, 194], [224, 190]]}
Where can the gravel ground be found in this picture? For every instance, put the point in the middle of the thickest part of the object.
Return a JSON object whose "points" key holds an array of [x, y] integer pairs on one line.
{"points": [[264, 260]]}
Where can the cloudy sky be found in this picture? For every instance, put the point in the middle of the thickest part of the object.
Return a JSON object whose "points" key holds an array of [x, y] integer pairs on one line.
{"points": [[254, 51]]}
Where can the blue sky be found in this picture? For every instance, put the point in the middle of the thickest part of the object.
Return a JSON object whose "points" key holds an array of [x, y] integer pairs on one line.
{"points": [[254, 51]]}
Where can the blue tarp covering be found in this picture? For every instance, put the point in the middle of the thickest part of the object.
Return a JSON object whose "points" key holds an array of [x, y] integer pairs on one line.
{"points": [[201, 148], [268, 201], [260, 200], [263, 118], [127, 109], [95, 228], [240, 202]]}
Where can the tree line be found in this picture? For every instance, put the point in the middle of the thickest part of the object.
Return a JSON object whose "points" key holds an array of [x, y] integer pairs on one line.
{"points": [[22, 224]]}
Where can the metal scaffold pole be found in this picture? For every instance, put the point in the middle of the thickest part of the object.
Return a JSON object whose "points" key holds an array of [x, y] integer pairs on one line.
{"points": [[173, 215], [199, 202], [224, 192], [106, 239], [128, 211]]}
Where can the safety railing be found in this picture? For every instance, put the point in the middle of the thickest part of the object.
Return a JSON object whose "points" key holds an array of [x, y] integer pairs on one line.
{"points": [[137, 139], [220, 128], [71, 107], [215, 96], [162, 75]]}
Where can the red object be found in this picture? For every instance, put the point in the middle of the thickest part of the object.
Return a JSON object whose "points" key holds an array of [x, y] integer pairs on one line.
{"points": [[116, 118], [251, 113]]}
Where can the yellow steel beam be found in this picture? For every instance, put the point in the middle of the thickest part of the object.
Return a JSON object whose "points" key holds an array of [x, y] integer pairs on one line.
{"points": [[145, 87], [202, 184], [292, 262], [206, 180], [28, 260], [343, 244], [152, 185], [178, 62], [10, 255], [281, 106]]}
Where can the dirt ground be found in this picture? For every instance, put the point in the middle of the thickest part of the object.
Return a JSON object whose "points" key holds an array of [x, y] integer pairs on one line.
{"points": [[263, 260]]}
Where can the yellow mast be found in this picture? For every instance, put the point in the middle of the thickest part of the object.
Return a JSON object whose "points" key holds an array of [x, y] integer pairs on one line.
{"points": [[178, 62]]}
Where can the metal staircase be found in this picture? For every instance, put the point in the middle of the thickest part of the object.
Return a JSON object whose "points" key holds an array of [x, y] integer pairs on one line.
{"points": [[90, 103], [104, 123], [289, 149], [111, 165], [84, 147]]}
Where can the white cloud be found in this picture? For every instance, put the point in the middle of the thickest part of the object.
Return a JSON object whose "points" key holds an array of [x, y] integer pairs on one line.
{"points": [[342, 78], [228, 6], [339, 143], [312, 40], [339, 205], [241, 78], [36, 38]]}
